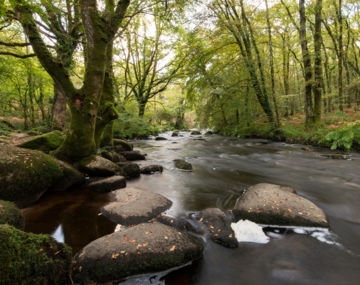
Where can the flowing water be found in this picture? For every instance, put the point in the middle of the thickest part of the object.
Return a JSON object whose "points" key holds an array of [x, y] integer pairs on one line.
{"points": [[222, 168]]}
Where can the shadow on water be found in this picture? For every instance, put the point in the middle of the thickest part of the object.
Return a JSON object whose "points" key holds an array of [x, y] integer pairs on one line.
{"points": [[70, 216], [222, 169]]}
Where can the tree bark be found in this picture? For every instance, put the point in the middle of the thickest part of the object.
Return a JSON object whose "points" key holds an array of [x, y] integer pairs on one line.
{"points": [[59, 109]]}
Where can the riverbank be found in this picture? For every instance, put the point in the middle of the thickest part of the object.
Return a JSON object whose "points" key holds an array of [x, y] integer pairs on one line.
{"points": [[340, 133]]}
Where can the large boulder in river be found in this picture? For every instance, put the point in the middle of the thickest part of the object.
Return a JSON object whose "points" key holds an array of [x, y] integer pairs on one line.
{"points": [[271, 205], [113, 156], [26, 174], [219, 226], [135, 206], [10, 214], [98, 166], [108, 184], [28, 258], [145, 248], [182, 164], [46, 142]]}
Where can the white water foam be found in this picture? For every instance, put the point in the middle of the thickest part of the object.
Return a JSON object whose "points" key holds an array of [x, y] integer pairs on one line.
{"points": [[247, 231]]}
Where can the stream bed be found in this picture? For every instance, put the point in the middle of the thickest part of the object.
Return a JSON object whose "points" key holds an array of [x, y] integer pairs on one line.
{"points": [[222, 168]]}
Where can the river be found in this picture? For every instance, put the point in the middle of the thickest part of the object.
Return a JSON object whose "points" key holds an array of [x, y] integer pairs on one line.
{"points": [[222, 168]]}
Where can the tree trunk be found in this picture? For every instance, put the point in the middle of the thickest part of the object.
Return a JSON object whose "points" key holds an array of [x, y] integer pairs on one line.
{"points": [[141, 109], [272, 66], [59, 109], [340, 75], [307, 65], [318, 84]]}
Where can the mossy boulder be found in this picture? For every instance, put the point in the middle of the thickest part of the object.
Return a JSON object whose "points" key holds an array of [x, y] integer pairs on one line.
{"points": [[182, 164], [150, 169], [10, 214], [122, 145], [112, 155], [98, 166], [71, 176], [46, 142], [145, 248], [28, 258], [133, 155], [129, 170], [26, 174]]}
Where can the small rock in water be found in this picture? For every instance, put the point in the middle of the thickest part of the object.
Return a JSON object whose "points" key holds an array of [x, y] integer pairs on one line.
{"points": [[182, 164], [160, 139], [337, 156], [247, 231], [150, 169]]}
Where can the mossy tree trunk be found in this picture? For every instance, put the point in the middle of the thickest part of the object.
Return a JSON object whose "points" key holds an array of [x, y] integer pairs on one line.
{"points": [[99, 29]]}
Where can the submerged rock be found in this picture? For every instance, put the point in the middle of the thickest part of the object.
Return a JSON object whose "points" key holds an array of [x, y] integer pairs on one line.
{"points": [[28, 258], [108, 184], [134, 206], [46, 142], [337, 156], [98, 166], [150, 169], [122, 144], [26, 174], [271, 205], [133, 155], [219, 226], [129, 170], [10, 214], [160, 139], [182, 164], [145, 248]]}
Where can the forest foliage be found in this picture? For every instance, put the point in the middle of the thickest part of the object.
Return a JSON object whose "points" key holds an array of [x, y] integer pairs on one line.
{"points": [[283, 69]]}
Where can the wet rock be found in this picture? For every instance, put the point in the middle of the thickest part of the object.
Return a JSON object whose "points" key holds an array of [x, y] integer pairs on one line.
{"points": [[145, 248], [271, 187], [195, 133], [133, 155], [10, 214], [182, 224], [26, 174], [150, 169], [278, 207], [98, 166], [182, 164], [134, 206], [112, 156], [71, 176], [160, 139], [209, 133], [307, 148], [129, 170], [219, 226], [126, 146], [46, 142], [175, 134], [108, 184], [28, 258], [337, 156]]}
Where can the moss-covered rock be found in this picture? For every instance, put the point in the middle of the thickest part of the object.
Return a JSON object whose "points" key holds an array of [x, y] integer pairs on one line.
{"points": [[28, 258], [122, 144], [98, 166], [10, 214], [71, 176], [129, 170], [46, 142], [112, 155], [26, 174]]}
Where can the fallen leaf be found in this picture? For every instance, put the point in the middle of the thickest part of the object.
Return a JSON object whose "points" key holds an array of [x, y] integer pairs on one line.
{"points": [[172, 248]]}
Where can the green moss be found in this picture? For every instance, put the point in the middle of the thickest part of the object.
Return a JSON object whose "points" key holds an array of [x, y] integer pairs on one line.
{"points": [[26, 174], [46, 142], [28, 258], [10, 214], [118, 143]]}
